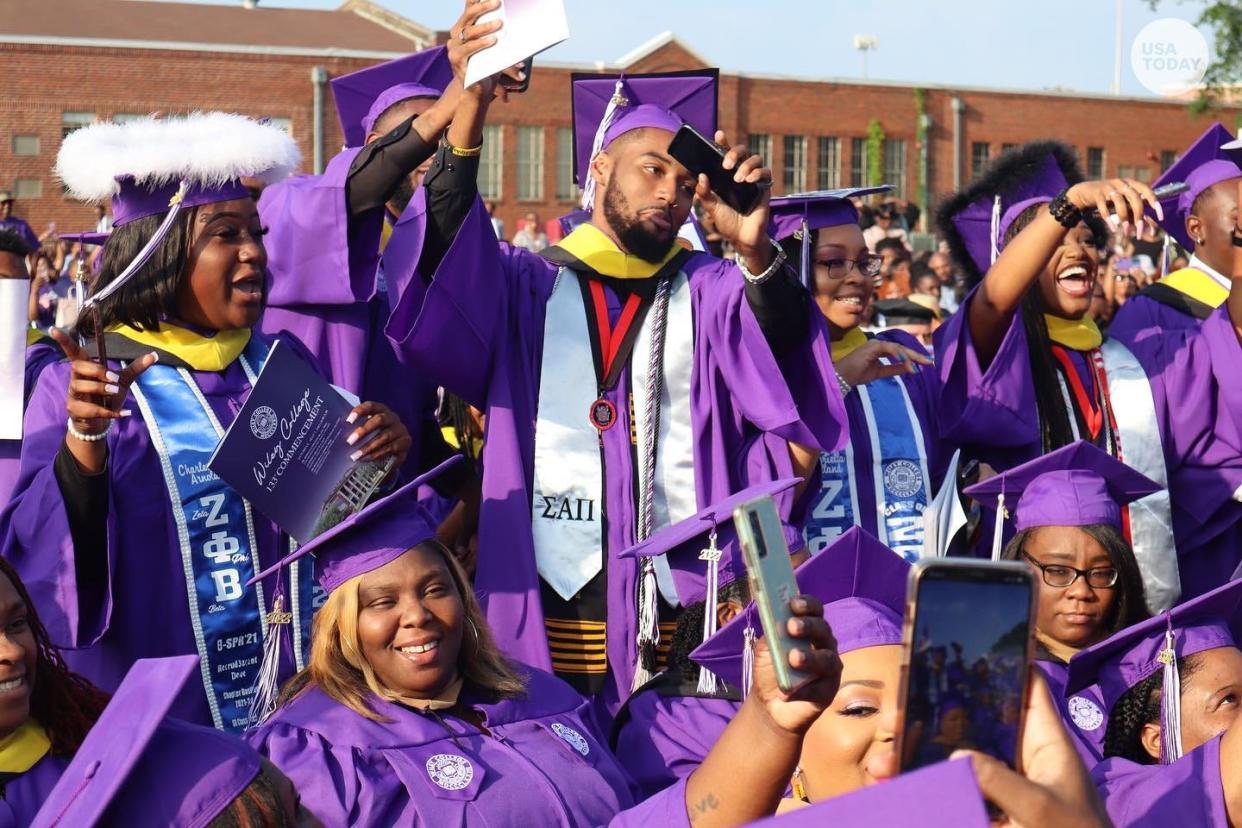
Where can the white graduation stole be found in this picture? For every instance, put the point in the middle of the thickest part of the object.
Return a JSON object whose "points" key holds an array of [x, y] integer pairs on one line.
{"points": [[568, 485]]}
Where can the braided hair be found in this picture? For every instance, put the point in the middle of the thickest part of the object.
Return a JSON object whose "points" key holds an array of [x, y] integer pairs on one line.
{"points": [[456, 414], [1140, 706], [1010, 171], [64, 703], [689, 631]]}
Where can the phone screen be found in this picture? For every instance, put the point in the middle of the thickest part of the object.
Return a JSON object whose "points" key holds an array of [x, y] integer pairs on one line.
{"points": [[699, 155], [967, 669]]}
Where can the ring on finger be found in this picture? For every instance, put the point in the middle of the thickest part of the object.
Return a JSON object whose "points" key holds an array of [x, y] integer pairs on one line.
{"points": [[461, 34]]}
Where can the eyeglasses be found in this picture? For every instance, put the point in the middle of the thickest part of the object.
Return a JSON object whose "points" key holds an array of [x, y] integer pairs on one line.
{"points": [[1061, 576], [840, 268]]}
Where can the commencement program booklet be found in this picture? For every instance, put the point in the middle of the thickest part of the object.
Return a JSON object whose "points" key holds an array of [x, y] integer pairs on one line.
{"points": [[286, 451]]}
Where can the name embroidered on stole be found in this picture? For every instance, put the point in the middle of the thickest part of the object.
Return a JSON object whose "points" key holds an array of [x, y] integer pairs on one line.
{"points": [[899, 474], [215, 530]]}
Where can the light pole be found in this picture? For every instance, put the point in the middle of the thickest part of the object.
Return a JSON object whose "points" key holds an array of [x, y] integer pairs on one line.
{"points": [[864, 44]]}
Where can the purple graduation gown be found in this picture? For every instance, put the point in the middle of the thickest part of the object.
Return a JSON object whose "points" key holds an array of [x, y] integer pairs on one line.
{"points": [[1082, 714], [993, 415], [661, 738], [479, 333], [543, 764], [330, 288], [25, 794], [1187, 792], [140, 610]]}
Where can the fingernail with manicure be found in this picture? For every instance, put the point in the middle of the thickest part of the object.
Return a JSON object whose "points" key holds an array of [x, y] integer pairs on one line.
{"points": [[353, 415], [354, 457], [112, 389], [127, 412], [155, 356], [113, 376], [351, 439]]}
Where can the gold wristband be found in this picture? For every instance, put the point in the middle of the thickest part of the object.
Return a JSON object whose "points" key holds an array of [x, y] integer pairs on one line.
{"points": [[464, 152]]}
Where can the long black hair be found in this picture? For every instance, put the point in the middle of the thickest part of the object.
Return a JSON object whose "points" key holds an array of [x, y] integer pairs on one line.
{"points": [[689, 631], [1139, 706], [1131, 605], [152, 292], [1010, 171]]}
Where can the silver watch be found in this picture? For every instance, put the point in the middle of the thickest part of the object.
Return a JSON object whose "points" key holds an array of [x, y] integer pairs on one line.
{"points": [[778, 261]]}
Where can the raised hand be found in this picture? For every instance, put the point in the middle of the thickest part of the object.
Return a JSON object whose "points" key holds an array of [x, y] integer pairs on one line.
{"points": [[796, 712], [1120, 201], [866, 363], [748, 233], [94, 399]]}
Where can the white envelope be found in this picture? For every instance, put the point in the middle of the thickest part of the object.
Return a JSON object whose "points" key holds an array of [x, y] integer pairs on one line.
{"points": [[530, 26]]}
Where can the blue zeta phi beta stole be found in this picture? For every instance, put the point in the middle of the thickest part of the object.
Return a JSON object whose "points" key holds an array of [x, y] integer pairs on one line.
{"points": [[215, 530], [898, 473]]}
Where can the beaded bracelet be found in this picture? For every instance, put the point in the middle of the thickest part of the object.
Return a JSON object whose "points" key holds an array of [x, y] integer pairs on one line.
{"points": [[88, 438]]}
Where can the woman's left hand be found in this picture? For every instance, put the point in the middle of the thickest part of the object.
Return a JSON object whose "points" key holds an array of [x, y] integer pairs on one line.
{"points": [[390, 436], [865, 364], [815, 656]]}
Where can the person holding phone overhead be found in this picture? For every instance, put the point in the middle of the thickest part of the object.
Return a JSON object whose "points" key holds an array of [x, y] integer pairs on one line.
{"points": [[1172, 688], [409, 714], [131, 548], [621, 375], [1070, 530], [894, 463], [1025, 371]]}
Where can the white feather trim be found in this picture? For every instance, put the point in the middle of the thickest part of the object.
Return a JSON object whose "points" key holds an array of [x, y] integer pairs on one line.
{"points": [[203, 148]]}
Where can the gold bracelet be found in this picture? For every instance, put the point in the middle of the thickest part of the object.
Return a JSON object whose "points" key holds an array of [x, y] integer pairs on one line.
{"points": [[465, 152]]}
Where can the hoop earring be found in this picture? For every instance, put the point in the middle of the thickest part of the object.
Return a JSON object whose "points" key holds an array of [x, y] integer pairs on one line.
{"points": [[474, 630]]}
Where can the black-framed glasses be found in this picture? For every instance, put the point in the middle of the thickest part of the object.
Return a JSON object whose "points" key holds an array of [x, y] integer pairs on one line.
{"points": [[1062, 576], [868, 265]]}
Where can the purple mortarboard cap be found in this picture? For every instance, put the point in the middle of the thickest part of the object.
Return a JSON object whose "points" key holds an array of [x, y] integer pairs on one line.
{"points": [[608, 106], [363, 96], [111, 773], [1214, 157], [371, 537], [863, 586], [684, 541], [943, 795], [1077, 485], [1121, 661], [812, 211], [983, 222], [85, 238]]}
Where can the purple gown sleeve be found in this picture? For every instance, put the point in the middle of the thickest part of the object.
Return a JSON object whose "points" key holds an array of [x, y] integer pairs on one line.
{"points": [[667, 808], [667, 737], [991, 405], [795, 397], [452, 326], [1187, 792], [327, 777], [36, 536], [316, 255]]}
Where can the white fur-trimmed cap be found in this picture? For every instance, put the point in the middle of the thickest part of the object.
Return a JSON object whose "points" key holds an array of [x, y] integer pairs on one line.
{"points": [[203, 149]]}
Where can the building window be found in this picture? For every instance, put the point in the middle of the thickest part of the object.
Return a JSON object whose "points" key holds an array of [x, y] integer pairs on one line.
{"points": [[279, 122], [761, 145], [828, 172], [25, 144], [28, 188], [1125, 172], [566, 187], [1167, 159], [1095, 162], [491, 162], [70, 121], [795, 163], [1007, 147], [895, 165], [1143, 174], [530, 163], [980, 154], [858, 162], [126, 117]]}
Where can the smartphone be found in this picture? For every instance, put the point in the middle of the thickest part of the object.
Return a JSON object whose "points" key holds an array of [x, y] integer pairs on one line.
{"points": [[510, 85], [966, 659], [772, 582], [701, 156], [1171, 189]]}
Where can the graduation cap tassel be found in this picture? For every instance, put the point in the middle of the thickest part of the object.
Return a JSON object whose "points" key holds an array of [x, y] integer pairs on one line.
{"points": [[648, 626], [1170, 702], [1166, 250], [995, 234], [748, 660], [610, 113], [806, 257], [998, 530], [267, 685], [707, 679]]}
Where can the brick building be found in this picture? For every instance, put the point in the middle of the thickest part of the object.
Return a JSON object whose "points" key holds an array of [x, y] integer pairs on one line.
{"points": [[68, 62]]}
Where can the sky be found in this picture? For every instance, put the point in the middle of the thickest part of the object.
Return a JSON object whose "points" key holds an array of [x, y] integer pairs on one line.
{"points": [[1065, 44]]}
